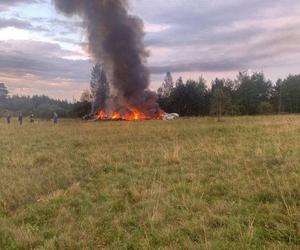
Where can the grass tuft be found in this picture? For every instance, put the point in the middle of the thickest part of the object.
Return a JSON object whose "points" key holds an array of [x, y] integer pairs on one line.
{"points": [[185, 184]]}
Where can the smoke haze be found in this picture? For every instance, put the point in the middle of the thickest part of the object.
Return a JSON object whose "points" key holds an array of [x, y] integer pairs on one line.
{"points": [[116, 39]]}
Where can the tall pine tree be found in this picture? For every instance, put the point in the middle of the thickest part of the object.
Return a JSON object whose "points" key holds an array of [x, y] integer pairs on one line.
{"points": [[99, 88], [167, 86], [3, 92]]}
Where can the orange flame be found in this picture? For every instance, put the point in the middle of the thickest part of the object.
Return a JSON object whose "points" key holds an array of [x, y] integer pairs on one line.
{"points": [[102, 115], [116, 116], [133, 115]]}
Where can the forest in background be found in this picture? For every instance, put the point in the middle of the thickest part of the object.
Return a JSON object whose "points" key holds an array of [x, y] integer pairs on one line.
{"points": [[247, 94]]}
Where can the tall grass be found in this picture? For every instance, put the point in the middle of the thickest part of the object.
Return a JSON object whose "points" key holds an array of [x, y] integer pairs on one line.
{"points": [[184, 184]]}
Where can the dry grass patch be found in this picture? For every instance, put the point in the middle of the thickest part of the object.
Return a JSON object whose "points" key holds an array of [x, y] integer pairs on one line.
{"points": [[184, 184]]}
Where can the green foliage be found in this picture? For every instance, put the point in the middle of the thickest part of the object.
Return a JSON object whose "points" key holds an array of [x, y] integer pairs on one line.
{"points": [[179, 82], [186, 184], [290, 94], [252, 90], [167, 86], [220, 101], [248, 94], [40, 106], [188, 99], [265, 108], [3, 92], [80, 109], [99, 88]]}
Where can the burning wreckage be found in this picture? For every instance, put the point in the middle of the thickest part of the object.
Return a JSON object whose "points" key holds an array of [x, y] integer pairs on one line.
{"points": [[116, 40], [134, 116]]}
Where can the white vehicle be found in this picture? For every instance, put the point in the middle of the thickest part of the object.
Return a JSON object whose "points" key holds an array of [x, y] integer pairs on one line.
{"points": [[171, 116]]}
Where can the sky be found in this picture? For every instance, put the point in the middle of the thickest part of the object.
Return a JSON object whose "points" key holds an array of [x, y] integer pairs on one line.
{"points": [[43, 52]]}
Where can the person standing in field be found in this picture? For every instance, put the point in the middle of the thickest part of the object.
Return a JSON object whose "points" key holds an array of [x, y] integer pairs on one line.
{"points": [[20, 118], [8, 119], [55, 118], [31, 118]]}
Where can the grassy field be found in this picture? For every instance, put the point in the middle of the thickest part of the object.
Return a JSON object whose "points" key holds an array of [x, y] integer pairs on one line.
{"points": [[185, 184]]}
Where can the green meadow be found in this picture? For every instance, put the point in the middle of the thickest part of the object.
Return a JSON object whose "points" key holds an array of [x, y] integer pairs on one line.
{"points": [[191, 183]]}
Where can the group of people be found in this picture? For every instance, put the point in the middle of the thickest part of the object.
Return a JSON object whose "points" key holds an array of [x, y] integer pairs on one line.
{"points": [[31, 118]]}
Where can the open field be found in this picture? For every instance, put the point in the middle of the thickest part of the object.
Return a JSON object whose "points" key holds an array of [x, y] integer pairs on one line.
{"points": [[185, 184]]}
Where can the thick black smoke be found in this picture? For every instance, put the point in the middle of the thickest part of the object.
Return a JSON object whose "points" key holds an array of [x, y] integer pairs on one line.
{"points": [[115, 39]]}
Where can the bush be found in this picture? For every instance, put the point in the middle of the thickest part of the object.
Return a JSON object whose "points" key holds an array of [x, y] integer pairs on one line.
{"points": [[80, 109], [265, 108]]}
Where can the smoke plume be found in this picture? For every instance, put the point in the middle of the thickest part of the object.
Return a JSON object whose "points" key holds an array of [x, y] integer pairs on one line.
{"points": [[115, 39]]}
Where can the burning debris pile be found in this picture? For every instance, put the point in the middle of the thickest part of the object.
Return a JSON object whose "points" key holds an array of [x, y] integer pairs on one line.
{"points": [[115, 40], [129, 116]]}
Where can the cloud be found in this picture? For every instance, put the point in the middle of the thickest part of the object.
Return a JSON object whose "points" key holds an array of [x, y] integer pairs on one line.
{"points": [[191, 36], [12, 22], [20, 24], [5, 4], [192, 23], [236, 51], [43, 66], [215, 35], [46, 60]]}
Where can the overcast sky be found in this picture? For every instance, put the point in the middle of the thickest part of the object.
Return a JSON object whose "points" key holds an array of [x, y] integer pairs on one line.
{"points": [[42, 52]]}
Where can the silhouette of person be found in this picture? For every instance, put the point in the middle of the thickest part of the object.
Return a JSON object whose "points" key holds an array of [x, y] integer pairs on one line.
{"points": [[20, 118], [55, 118], [8, 117], [31, 118]]}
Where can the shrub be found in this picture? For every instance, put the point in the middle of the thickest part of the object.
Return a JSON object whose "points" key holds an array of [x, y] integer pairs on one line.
{"points": [[265, 108]]}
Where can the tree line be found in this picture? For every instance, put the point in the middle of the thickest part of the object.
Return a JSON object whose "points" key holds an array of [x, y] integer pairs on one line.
{"points": [[247, 94], [40, 106], [43, 106]]}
